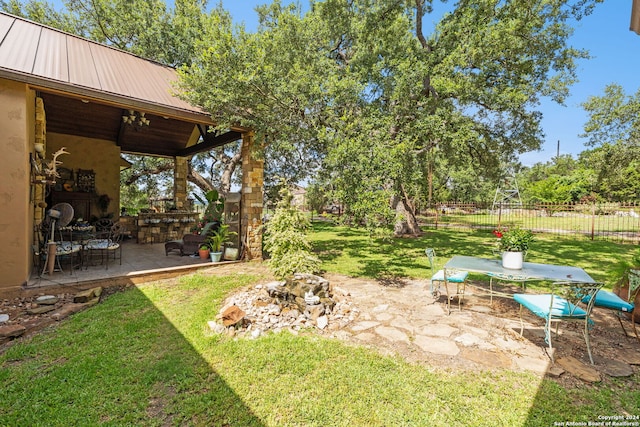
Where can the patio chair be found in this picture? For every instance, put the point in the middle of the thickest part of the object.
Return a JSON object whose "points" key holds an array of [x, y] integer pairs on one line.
{"points": [[518, 278], [107, 247], [190, 243], [561, 305], [622, 307], [67, 251], [438, 277], [103, 227]]}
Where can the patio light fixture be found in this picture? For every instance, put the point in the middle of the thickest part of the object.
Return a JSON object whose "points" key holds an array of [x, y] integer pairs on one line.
{"points": [[136, 119]]}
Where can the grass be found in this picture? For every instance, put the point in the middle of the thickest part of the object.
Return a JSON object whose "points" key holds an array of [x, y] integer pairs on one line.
{"points": [[146, 357], [351, 252]]}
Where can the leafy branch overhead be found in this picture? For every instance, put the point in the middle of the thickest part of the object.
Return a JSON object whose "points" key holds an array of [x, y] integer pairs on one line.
{"points": [[385, 107]]}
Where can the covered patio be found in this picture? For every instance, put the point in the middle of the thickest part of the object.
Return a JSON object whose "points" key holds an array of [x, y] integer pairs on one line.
{"points": [[66, 122], [140, 263]]}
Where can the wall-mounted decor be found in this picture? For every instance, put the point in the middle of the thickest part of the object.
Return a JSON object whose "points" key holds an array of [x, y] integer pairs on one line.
{"points": [[86, 180]]}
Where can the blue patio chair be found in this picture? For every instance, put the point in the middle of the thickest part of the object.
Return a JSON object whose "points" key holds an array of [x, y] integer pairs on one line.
{"points": [[561, 305], [622, 307], [438, 277]]}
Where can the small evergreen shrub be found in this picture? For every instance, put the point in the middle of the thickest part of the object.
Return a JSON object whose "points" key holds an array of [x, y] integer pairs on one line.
{"points": [[285, 239]]}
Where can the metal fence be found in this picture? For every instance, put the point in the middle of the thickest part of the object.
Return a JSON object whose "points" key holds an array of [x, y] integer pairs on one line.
{"points": [[619, 222]]}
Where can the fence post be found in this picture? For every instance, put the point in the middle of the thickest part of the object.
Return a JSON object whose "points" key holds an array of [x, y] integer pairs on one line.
{"points": [[593, 220]]}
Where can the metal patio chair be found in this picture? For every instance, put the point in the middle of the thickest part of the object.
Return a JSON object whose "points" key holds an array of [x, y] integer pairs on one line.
{"points": [[562, 304], [621, 306], [459, 278]]}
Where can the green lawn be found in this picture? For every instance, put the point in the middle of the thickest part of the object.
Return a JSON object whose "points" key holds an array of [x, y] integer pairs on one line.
{"points": [[351, 252], [145, 357]]}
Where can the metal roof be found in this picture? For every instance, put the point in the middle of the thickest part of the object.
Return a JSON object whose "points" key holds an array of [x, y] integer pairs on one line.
{"points": [[51, 59]]}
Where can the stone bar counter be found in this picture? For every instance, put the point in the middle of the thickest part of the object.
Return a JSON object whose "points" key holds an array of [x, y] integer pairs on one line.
{"points": [[162, 227]]}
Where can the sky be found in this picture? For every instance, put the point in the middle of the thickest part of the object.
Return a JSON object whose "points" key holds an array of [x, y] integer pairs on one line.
{"points": [[615, 58]]}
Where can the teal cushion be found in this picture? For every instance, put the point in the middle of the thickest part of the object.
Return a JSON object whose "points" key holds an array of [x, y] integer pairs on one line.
{"points": [[540, 304], [608, 299], [456, 277]]}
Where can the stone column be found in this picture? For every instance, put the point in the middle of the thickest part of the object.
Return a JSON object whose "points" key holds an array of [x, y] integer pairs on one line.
{"points": [[180, 183], [252, 196]]}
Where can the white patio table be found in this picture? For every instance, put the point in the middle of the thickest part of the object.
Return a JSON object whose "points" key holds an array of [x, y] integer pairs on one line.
{"points": [[529, 271]]}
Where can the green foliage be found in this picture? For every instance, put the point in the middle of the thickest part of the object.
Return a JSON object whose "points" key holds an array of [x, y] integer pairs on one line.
{"points": [[286, 242], [515, 240], [220, 237], [357, 90], [215, 206], [317, 196]]}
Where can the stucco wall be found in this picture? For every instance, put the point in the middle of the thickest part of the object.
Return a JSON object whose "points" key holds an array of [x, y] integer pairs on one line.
{"points": [[103, 157], [16, 139]]}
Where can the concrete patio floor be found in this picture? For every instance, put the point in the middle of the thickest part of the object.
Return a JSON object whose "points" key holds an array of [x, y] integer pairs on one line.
{"points": [[139, 263]]}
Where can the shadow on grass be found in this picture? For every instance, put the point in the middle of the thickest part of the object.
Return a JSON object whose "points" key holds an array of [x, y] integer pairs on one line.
{"points": [[122, 362], [355, 254]]}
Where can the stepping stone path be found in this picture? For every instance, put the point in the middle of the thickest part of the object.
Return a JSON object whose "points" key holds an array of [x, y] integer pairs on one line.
{"points": [[406, 320]]}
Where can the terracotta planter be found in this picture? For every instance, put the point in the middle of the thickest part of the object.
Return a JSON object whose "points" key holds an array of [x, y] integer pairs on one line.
{"points": [[512, 260], [204, 253]]}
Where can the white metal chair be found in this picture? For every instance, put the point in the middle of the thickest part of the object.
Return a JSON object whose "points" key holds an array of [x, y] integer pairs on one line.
{"points": [[562, 304], [622, 307], [517, 278], [438, 277]]}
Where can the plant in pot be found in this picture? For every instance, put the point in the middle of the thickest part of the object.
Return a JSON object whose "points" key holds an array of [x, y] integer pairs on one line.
{"points": [[204, 251], [513, 244], [217, 239]]}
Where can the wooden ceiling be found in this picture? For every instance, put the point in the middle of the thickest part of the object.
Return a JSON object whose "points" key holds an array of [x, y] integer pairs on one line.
{"points": [[166, 137]]}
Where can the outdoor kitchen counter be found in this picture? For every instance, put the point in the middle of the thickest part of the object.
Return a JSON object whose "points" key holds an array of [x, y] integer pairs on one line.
{"points": [[162, 227]]}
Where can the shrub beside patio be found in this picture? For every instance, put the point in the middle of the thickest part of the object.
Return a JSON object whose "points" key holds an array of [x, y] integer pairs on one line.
{"points": [[146, 357]]}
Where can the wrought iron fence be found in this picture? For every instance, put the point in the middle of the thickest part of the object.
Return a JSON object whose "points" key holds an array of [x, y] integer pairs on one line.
{"points": [[619, 222]]}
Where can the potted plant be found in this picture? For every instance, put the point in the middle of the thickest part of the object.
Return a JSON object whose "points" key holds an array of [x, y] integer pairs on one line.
{"points": [[214, 208], [513, 244], [204, 251], [217, 240]]}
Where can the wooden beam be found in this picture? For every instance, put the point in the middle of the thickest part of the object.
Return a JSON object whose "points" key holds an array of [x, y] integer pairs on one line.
{"points": [[209, 141]]}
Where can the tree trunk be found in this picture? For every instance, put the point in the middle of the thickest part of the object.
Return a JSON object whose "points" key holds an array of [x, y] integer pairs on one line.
{"points": [[406, 222], [230, 165]]}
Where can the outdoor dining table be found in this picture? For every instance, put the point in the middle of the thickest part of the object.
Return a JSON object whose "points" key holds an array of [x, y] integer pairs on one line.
{"points": [[529, 271]]}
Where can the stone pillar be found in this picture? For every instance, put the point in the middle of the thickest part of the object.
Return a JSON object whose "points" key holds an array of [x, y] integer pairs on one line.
{"points": [[180, 183], [39, 155], [252, 197]]}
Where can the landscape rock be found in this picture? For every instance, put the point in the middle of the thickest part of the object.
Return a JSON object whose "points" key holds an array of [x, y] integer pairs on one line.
{"points": [[232, 316], [578, 369], [301, 301], [40, 310], [87, 295], [69, 309], [47, 299], [11, 331]]}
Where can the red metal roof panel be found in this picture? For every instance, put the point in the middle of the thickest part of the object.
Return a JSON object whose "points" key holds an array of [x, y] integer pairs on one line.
{"points": [[82, 70], [51, 56], [5, 25], [30, 48], [19, 47]]}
